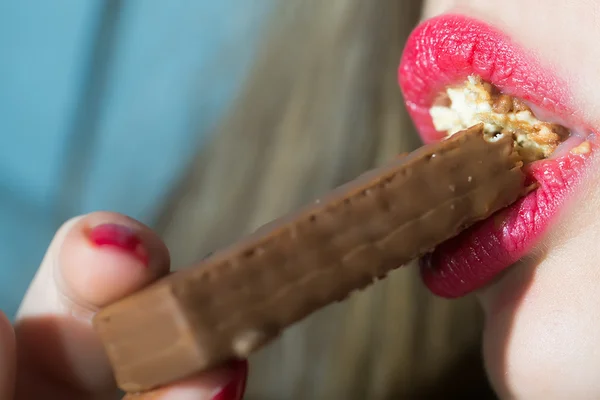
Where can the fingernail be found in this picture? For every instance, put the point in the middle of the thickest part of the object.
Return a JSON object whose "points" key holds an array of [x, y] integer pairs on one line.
{"points": [[234, 390], [119, 237]]}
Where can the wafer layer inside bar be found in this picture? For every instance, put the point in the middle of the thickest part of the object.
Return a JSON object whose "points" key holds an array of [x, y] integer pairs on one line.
{"points": [[242, 297]]}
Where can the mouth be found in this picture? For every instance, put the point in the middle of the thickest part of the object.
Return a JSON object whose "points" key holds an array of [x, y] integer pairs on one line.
{"points": [[456, 72]]}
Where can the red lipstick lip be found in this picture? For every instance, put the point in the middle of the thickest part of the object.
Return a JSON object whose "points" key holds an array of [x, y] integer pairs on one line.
{"points": [[443, 51]]}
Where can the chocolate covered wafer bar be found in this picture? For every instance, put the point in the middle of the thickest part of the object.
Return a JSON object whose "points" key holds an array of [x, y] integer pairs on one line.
{"points": [[240, 298]]}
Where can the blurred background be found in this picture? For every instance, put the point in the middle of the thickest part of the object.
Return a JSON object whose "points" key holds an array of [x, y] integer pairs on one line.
{"points": [[205, 119]]}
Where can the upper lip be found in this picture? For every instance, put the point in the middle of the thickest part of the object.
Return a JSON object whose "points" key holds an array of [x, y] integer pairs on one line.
{"points": [[443, 51]]}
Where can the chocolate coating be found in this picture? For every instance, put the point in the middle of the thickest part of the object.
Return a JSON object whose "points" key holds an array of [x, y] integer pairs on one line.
{"points": [[240, 298]]}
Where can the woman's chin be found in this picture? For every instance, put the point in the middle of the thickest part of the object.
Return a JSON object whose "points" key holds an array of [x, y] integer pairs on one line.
{"points": [[542, 321]]}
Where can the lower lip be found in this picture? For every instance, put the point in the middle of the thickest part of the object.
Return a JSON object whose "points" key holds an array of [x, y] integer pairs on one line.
{"points": [[444, 51]]}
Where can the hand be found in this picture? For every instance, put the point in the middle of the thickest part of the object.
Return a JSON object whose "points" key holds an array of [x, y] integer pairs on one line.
{"points": [[52, 352]]}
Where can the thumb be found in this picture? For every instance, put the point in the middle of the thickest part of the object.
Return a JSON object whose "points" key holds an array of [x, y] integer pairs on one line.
{"points": [[93, 260]]}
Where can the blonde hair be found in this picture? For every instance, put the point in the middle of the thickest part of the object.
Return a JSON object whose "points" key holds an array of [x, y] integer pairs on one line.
{"points": [[320, 106]]}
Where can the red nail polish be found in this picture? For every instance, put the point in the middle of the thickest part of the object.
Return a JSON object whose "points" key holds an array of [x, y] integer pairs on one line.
{"points": [[119, 237], [235, 389]]}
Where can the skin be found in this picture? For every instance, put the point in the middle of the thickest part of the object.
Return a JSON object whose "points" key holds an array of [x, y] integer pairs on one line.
{"points": [[542, 316], [52, 352]]}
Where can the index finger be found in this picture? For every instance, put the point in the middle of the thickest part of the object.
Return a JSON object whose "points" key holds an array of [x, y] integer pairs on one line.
{"points": [[226, 383]]}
